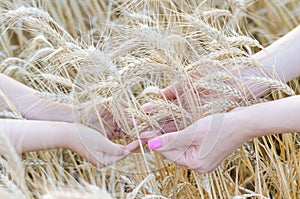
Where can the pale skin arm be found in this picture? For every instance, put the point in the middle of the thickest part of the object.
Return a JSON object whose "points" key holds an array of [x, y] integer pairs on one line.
{"points": [[33, 107], [31, 135], [282, 57], [203, 145], [30, 105], [37, 133]]}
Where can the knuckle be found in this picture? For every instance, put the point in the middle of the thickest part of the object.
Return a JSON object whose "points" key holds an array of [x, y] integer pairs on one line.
{"points": [[193, 160]]}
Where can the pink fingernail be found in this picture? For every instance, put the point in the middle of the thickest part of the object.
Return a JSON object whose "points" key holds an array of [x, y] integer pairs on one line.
{"points": [[154, 144]]}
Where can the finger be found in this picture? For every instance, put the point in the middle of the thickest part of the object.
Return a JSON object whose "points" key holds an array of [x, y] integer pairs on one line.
{"points": [[166, 128], [148, 108], [101, 159], [148, 135], [107, 159], [177, 156], [175, 89], [137, 150], [170, 141], [135, 147], [172, 126], [110, 148], [186, 137], [132, 146], [172, 91]]}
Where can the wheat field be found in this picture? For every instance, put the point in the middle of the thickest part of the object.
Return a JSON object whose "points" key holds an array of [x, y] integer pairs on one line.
{"points": [[106, 52]]}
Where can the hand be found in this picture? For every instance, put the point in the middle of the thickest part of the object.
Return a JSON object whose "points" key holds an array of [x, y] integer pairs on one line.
{"points": [[96, 148], [177, 91], [32, 135], [209, 101], [204, 144], [179, 96], [101, 119]]}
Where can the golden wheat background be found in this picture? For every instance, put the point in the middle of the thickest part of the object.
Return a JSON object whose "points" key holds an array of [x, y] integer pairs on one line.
{"points": [[107, 51]]}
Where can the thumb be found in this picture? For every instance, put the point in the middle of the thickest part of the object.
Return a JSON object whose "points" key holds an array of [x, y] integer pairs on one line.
{"points": [[131, 147]]}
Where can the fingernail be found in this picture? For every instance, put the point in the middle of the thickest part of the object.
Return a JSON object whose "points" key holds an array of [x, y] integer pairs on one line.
{"points": [[154, 144], [144, 140]]}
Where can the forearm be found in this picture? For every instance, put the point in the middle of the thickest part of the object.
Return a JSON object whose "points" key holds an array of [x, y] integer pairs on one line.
{"points": [[31, 135], [32, 106], [279, 60], [280, 116], [282, 57]]}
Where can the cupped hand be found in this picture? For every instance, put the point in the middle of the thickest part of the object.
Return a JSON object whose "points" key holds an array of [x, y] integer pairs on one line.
{"points": [[204, 144], [101, 119], [176, 95], [192, 100], [200, 100], [96, 148]]}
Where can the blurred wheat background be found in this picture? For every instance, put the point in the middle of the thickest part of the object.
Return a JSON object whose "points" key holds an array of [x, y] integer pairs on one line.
{"points": [[103, 52]]}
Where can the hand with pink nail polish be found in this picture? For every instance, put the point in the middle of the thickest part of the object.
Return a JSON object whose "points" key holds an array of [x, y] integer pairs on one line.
{"points": [[203, 145]]}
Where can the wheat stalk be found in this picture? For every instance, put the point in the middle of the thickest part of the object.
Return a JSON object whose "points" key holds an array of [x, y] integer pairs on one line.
{"points": [[273, 84], [138, 47]]}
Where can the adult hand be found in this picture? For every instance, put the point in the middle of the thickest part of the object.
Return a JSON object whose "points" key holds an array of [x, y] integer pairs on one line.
{"points": [[181, 95], [184, 96], [204, 144]]}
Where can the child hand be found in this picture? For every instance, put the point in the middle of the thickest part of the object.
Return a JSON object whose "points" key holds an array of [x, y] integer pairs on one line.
{"points": [[101, 119], [32, 135], [96, 148]]}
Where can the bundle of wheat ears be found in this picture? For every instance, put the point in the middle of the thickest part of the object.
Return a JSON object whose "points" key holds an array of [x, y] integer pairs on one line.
{"points": [[99, 52]]}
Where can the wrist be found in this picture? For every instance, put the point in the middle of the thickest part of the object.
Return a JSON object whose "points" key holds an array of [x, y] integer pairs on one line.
{"points": [[71, 137], [242, 81], [269, 117], [253, 121], [75, 138], [239, 123]]}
